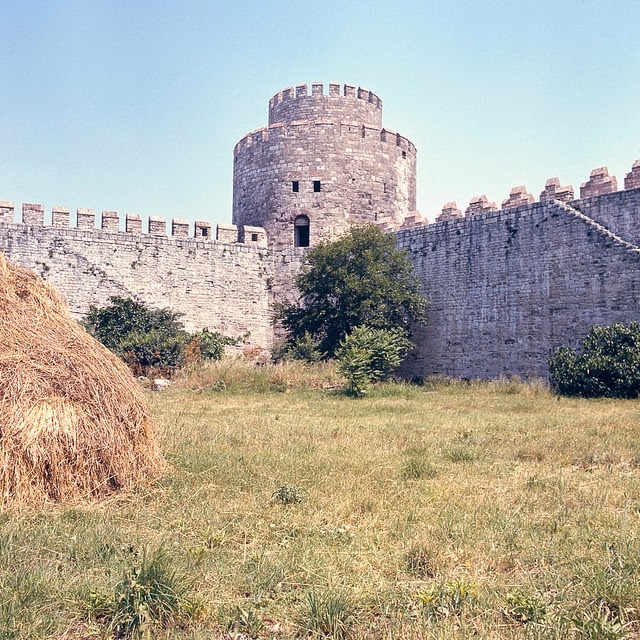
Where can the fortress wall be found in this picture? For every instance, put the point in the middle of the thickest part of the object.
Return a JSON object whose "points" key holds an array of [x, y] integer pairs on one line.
{"points": [[366, 175], [618, 211], [506, 287], [359, 106], [220, 285]]}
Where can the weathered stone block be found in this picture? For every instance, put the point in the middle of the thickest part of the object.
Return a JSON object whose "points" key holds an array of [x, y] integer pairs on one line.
{"points": [[157, 226], [60, 217], [86, 219], [110, 221], [33, 214], [227, 233], [179, 228], [632, 179], [6, 211]]}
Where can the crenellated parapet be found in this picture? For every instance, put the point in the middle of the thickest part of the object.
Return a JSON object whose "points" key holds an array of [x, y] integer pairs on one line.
{"points": [[346, 131], [632, 179], [554, 191], [349, 105], [450, 211], [518, 197], [479, 205], [599, 183], [33, 215]]}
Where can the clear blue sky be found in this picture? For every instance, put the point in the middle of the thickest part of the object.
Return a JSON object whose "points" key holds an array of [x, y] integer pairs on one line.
{"points": [[136, 106]]}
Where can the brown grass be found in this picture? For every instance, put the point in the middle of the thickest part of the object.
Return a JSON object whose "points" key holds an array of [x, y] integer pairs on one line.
{"points": [[74, 425]]}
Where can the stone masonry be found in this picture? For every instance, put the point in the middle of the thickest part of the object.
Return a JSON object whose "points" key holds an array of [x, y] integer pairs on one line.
{"points": [[325, 161], [505, 285]]}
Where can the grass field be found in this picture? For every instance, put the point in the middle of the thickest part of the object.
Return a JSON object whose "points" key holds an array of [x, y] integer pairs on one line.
{"points": [[488, 510]]}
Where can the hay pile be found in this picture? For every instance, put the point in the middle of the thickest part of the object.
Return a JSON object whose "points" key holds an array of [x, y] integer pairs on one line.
{"points": [[74, 424]]}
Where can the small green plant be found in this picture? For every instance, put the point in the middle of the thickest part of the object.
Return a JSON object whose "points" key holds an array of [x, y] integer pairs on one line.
{"points": [[369, 355], [287, 496], [446, 599], [327, 615], [607, 364], [420, 561], [150, 594], [459, 454], [598, 625], [524, 608], [247, 622], [417, 469]]}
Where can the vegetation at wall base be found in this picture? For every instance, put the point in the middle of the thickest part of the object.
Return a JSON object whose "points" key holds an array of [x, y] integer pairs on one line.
{"points": [[368, 355], [359, 279], [606, 364], [152, 341], [447, 510]]}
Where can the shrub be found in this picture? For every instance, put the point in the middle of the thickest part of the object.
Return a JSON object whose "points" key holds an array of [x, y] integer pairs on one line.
{"points": [[607, 364], [370, 355], [151, 341], [303, 348]]}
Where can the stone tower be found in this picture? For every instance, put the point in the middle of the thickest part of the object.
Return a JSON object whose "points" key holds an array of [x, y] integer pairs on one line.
{"points": [[323, 163]]}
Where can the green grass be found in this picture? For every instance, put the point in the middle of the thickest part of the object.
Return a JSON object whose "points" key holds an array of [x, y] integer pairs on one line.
{"points": [[445, 511]]}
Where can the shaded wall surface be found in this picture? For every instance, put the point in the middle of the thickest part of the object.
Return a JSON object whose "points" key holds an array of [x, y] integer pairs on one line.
{"points": [[506, 287]]}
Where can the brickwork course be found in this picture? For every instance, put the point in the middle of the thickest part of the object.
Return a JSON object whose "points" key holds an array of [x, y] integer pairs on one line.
{"points": [[506, 284]]}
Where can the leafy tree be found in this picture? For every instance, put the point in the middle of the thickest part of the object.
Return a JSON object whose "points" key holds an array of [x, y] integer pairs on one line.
{"points": [[369, 355], [359, 279], [607, 364]]}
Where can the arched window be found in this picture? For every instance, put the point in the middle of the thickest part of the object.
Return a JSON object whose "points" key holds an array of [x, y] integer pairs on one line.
{"points": [[301, 227]]}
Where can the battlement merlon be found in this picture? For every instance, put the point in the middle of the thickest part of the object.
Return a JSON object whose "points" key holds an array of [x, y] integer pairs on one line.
{"points": [[357, 104], [32, 215], [303, 127]]}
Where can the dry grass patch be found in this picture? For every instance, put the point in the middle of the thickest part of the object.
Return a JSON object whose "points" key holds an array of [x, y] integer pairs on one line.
{"points": [[310, 514]]}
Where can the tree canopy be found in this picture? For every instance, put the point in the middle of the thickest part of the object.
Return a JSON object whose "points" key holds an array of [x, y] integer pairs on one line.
{"points": [[361, 278]]}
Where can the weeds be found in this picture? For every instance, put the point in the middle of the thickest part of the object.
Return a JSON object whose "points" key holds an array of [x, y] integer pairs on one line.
{"points": [[329, 614], [286, 496], [150, 594], [446, 599]]}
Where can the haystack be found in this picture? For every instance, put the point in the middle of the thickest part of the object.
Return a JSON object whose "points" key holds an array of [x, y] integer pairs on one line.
{"points": [[74, 425]]}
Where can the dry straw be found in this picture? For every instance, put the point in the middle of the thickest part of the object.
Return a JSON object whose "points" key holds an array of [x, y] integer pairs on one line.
{"points": [[74, 425]]}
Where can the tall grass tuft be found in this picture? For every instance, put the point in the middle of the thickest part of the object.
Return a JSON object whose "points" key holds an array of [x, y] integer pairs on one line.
{"points": [[150, 594], [329, 614], [241, 374]]}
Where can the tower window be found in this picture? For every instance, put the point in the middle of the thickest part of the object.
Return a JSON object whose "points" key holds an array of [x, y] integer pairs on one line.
{"points": [[296, 186], [205, 232], [404, 154], [301, 232], [254, 237], [316, 186]]}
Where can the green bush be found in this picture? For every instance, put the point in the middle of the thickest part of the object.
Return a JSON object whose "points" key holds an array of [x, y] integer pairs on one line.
{"points": [[607, 364], [151, 341], [369, 355], [303, 348]]}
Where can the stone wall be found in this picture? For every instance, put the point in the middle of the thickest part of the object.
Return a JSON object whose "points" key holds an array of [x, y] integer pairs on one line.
{"points": [[506, 287], [223, 285], [364, 173]]}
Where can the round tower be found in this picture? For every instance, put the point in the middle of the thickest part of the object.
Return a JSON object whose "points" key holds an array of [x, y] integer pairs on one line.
{"points": [[323, 162]]}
